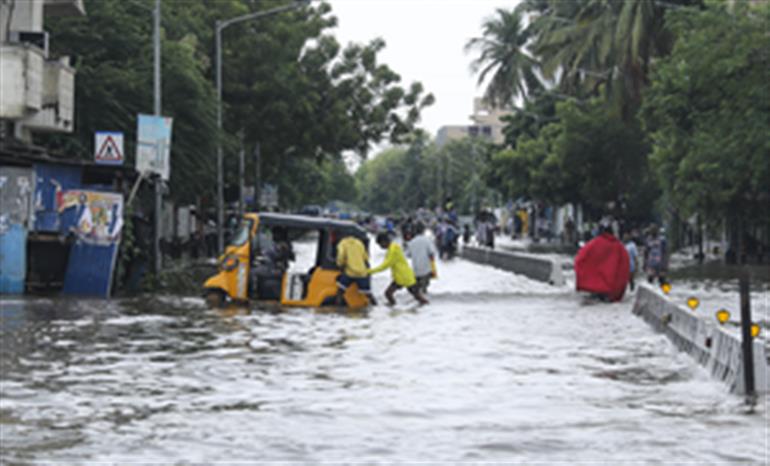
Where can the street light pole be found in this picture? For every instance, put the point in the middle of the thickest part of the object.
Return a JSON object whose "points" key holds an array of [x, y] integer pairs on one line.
{"points": [[157, 110], [156, 44], [218, 28], [257, 175], [241, 180], [220, 180]]}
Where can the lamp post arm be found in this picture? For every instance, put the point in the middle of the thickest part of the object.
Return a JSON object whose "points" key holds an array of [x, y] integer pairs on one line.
{"points": [[219, 26], [258, 14]]}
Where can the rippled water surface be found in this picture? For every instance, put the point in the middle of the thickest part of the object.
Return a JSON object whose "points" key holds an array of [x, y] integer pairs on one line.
{"points": [[496, 368]]}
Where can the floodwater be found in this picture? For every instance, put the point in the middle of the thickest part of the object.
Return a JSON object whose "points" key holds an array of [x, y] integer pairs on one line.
{"points": [[497, 368]]}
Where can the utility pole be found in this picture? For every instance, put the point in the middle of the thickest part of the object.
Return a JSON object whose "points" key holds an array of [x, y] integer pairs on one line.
{"points": [[220, 177], [747, 341], [241, 181], [257, 175], [157, 111], [220, 26]]}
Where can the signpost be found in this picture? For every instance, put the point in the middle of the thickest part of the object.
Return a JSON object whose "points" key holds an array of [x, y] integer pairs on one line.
{"points": [[248, 197], [153, 148], [268, 196], [154, 145], [108, 148]]}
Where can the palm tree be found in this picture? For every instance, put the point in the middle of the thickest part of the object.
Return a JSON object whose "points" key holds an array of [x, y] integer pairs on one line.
{"points": [[595, 44], [503, 55], [571, 50]]}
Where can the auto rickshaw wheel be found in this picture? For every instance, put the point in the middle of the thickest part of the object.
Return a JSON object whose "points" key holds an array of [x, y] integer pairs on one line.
{"points": [[215, 298]]}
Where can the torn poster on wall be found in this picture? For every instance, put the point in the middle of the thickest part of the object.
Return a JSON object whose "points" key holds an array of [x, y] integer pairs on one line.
{"points": [[95, 217]]}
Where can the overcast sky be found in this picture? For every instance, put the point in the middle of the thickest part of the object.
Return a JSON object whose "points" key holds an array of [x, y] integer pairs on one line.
{"points": [[425, 42]]}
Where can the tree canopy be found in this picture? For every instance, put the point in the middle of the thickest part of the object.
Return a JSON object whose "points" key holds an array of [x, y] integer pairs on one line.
{"points": [[287, 84], [646, 95], [422, 174], [708, 110]]}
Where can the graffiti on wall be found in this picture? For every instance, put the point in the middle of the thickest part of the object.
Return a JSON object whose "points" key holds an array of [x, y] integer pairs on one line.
{"points": [[98, 216], [16, 190]]}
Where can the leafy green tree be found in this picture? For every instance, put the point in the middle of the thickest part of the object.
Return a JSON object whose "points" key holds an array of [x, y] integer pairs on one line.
{"points": [[707, 112], [503, 55], [380, 181], [315, 182], [467, 160], [423, 175], [537, 111], [589, 157], [292, 87], [288, 85]]}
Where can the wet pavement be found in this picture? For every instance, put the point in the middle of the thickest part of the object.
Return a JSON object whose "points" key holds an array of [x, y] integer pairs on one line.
{"points": [[497, 368]]}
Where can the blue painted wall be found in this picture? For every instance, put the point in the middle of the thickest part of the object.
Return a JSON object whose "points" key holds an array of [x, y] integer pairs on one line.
{"points": [[13, 259], [89, 271], [17, 188]]}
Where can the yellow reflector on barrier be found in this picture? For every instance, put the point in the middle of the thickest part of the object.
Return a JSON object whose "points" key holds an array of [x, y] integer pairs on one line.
{"points": [[693, 302], [666, 287], [755, 330], [723, 315]]}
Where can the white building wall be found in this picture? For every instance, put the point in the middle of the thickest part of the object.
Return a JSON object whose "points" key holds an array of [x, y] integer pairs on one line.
{"points": [[37, 94], [21, 80], [26, 15], [483, 118]]}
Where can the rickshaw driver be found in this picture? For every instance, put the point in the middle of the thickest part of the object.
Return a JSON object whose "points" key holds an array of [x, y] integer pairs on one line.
{"points": [[267, 274], [353, 259]]}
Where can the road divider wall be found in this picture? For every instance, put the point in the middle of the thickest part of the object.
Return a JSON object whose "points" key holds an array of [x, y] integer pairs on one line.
{"points": [[530, 265], [716, 347]]}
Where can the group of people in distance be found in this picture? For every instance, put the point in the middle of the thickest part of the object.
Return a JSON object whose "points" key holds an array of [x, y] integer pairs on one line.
{"points": [[353, 260]]}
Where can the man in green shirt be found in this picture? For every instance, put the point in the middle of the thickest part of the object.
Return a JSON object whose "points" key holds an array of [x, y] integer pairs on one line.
{"points": [[402, 274]]}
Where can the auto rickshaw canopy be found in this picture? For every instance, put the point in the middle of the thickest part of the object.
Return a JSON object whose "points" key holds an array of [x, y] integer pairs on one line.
{"points": [[302, 222], [331, 232]]}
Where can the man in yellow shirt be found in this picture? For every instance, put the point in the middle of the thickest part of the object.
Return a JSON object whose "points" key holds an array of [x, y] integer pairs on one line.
{"points": [[402, 274], [353, 259]]}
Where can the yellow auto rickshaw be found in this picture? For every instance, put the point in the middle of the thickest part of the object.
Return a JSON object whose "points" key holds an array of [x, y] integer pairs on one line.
{"points": [[254, 265]]}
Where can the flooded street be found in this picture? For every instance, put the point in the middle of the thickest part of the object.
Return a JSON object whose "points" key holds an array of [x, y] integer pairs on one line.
{"points": [[496, 368]]}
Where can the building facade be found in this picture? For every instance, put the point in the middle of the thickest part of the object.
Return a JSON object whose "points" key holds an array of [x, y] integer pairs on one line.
{"points": [[486, 122], [61, 217], [37, 90]]}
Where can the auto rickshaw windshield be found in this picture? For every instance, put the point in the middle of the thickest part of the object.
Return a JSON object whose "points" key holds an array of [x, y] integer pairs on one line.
{"points": [[241, 237]]}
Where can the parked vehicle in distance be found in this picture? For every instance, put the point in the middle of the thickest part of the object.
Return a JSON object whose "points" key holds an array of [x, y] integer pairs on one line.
{"points": [[311, 210]]}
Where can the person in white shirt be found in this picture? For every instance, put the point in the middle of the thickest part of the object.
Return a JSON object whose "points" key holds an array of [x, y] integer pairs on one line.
{"points": [[633, 257], [423, 253]]}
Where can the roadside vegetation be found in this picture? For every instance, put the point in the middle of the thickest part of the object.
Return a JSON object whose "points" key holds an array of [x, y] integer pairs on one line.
{"points": [[289, 85], [660, 106]]}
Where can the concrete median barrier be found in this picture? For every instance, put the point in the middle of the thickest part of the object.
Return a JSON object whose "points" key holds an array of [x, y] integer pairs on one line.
{"points": [[530, 265], [717, 348]]}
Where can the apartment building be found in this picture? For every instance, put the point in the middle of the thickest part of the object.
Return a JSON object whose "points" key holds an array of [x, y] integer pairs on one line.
{"points": [[37, 90], [486, 122]]}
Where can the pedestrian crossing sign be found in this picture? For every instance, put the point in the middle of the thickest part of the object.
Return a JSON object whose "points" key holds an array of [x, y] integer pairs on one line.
{"points": [[108, 148]]}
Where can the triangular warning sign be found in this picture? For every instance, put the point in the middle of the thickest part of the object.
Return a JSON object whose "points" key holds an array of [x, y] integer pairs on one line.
{"points": [[109, 151]]}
